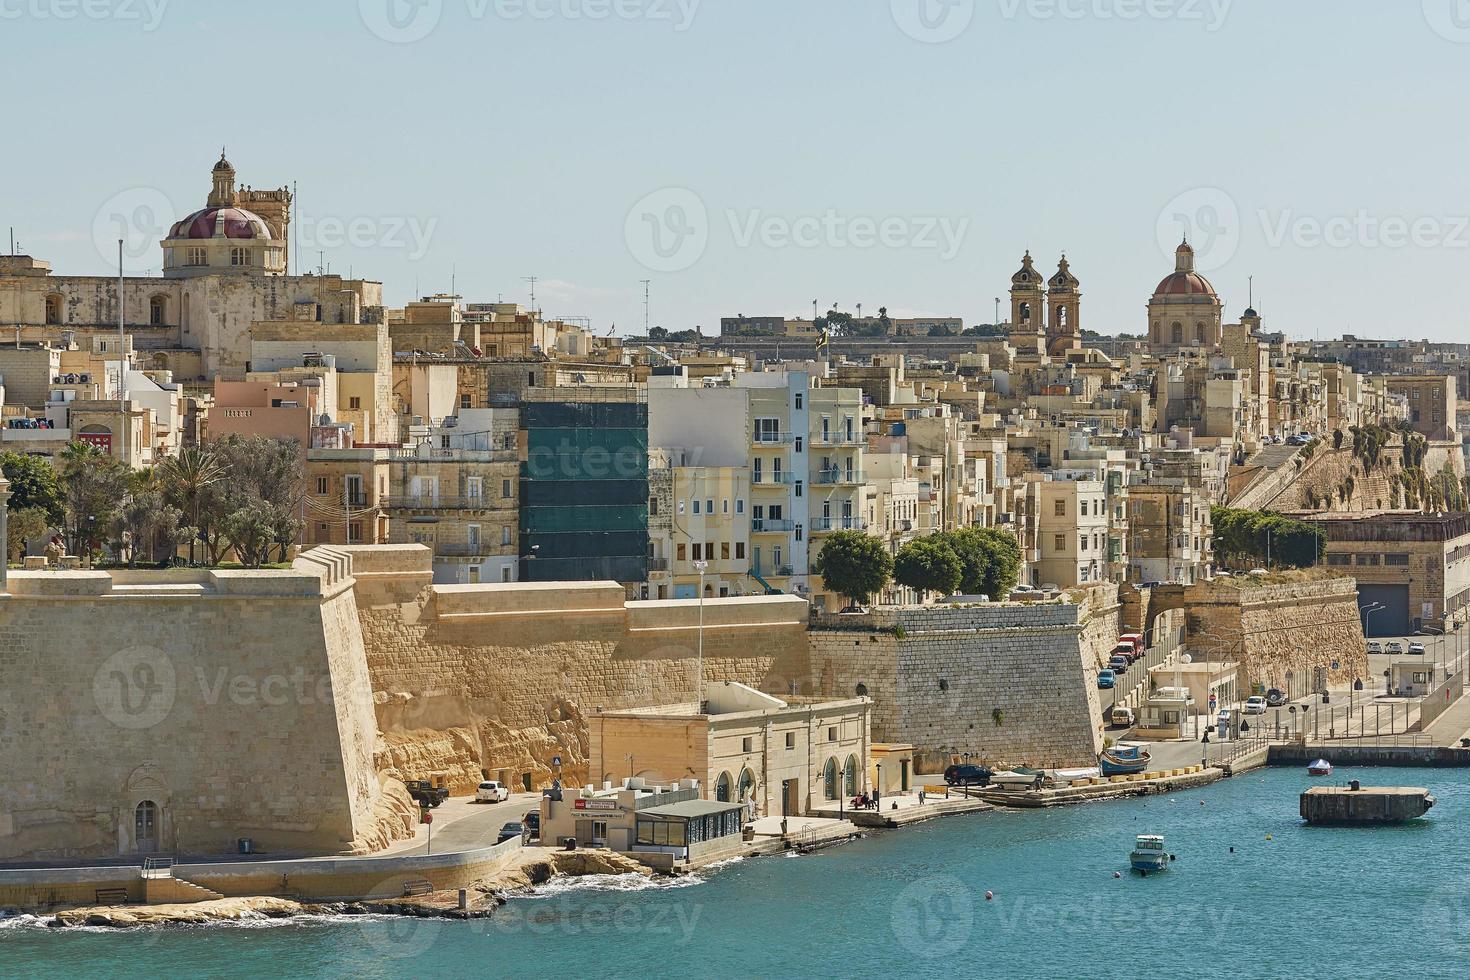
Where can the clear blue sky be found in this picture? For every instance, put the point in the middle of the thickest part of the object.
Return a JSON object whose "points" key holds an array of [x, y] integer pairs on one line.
{"points": [[522, 145]]}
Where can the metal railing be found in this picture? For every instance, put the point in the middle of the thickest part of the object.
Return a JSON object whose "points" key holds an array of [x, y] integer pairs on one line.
{"points": [[421, 502], [766, 526], [785, 478], [773, 438], [822, 524], [829, 478], [658, 564], [158, 867]]}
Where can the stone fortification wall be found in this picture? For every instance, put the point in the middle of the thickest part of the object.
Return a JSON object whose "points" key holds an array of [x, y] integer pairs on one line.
{"points": [[234, 702], [1275, 627], [501, 678], [1011, 684]]}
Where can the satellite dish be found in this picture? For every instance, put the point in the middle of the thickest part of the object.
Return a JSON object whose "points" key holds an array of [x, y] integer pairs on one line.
{"points": [[1186, 659]]}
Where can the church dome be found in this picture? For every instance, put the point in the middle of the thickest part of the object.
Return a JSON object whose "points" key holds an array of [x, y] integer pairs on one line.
{"points": [[1185, 284], [227, 222]]}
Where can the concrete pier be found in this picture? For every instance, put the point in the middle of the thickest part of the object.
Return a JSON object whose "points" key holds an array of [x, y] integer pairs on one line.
{"points": [[1365, 805]]}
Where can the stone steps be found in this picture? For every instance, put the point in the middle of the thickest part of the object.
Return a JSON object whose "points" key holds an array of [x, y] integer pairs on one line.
{"points": [[175, 891]]}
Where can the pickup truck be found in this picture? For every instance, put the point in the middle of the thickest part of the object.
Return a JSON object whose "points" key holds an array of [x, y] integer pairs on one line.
{"points": [[425, 793], [491, 792]]}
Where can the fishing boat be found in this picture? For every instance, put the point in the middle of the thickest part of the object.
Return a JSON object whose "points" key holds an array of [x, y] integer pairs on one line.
{"points": [[1149, 855], [1320, 768], [1123, 761], [1019, 778]]}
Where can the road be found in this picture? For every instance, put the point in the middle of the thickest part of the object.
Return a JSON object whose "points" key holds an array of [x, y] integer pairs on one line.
{"points": [[461, 824]]}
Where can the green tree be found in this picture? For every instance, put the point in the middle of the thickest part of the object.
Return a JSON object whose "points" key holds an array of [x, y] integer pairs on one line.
{"points": [[264, 476], [990, 560], [854, 564], [33, 483], [186, 480], [26, 525], [94, 486], [927, 565]]}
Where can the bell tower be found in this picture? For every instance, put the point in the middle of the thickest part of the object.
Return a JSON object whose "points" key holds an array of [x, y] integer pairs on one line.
{"points": [[223, 194], [1064, 304]]}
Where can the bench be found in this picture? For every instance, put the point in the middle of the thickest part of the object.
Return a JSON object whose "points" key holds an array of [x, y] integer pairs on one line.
{"points": [[417, 886], [112, 896]]}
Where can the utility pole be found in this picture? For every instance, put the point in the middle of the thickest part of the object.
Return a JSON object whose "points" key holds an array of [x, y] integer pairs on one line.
{"points": [[647, 283], [122, 357], [533, 280]]}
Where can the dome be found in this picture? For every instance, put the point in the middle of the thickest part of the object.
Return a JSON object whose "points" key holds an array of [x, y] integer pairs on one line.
{"points": [[229, 222], [1185, 284]]}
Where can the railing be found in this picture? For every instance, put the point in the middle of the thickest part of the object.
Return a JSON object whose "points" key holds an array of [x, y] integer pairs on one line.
{"points": [[773, 438], [462, 455], [822, 524], [456, 550], [829, 478], [447, 503], [773, 479], [158, 867], [765, 526], [358, 500], [658, 564], [837, 439]]}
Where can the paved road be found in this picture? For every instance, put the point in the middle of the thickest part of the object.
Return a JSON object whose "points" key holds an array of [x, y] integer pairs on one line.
{"points": [[461, 824]]}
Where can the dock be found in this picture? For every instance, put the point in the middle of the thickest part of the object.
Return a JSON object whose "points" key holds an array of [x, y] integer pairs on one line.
{"points": [[1356, 804], [1113, 788]]}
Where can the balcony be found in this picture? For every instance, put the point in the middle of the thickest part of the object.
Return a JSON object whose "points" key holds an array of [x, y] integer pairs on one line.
{"points": [[838, 439], [784, 479], [356, 501], [430, 454], [775, 571], [765, 526], [834, 478], [458, 550], [658, 564], [822, 525], [426, 502], [773, 438]]}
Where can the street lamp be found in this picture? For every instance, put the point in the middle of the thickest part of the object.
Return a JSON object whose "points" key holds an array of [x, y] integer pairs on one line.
{"points": [[700, 567], [1368, 612]]}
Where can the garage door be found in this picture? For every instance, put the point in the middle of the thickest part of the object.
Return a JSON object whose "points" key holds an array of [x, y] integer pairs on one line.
{"points": [[1390, 609]]}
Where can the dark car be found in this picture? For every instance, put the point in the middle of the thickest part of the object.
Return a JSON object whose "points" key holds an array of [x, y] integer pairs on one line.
{"points": [[532, 820], [967, 776], [1275, 698], [511, 831], [425, 793], [1118, 664]]}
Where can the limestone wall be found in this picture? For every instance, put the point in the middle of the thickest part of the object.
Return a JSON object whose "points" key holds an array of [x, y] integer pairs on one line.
{"points": [[1011, 684], [238, 706], [514, 670]]}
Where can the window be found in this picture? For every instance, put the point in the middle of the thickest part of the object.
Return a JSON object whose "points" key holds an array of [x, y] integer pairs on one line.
{"points": [[1059, 508], [505, 489], [1340, 560], [831, 734], [681, 508], [196, 255], [755, 471], [158, 311], [798, 488], [724, 551], [1082, 542], [739, 550], [798, 401], [53, 309], [800, 532], [505, 535], [652, 506], [768, 430], [798, 443], [739, 506], [321, 486], [1399, 561], [791, 740], [1083, 508], [354, 403], [679, 552], [474, 487], [745, 744], [709, 550], [709, 506], [464, 401], [725, 506], [239, 256], [1367, 559], [1060, 543], [661, 833], [698, 551], [696, 505]]}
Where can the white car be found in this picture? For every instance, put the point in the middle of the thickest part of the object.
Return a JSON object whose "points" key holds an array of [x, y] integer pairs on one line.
{"points": [[1255, 705], [491, 792], [1416, 649], [1393, 646], [1374, 646]]}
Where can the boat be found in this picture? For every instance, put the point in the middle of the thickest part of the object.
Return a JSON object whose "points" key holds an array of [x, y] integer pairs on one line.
{"points": [[1320, 768], [1019, 778], [1149, 855], [1121, 761]]}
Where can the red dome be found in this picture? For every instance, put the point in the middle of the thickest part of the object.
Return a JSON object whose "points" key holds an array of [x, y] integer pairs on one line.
{"points": [[1185, 284], [230, 222]]}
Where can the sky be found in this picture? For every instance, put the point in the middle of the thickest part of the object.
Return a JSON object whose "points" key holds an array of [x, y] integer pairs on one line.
{"points": [[753, 156]]}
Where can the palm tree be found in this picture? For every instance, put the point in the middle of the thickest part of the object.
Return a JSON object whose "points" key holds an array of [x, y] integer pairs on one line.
{"points": [[185, 478]]}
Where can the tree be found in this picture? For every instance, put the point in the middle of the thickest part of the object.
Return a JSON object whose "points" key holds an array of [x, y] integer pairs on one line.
{"points": [[186, 478], [1337, 438], [33, 483], [264, 476], [25, 526], [927, 565], [94, 486], [854, 564], [990, 560]]}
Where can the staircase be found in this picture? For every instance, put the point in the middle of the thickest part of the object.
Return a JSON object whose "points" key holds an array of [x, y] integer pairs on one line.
{"points": [[160, 887], [770, 590]]}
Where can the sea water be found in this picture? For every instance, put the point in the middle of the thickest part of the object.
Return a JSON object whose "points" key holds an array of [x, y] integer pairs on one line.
{"points": [[1253, 893]]}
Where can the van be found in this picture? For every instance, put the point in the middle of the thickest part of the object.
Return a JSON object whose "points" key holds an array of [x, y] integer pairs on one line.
{"points": [[1121, 715]]}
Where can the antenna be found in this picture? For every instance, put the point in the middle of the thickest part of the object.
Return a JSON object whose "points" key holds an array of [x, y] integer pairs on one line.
{"points": [[532, 280], [453, 278], [295, 229], [647, 283]]}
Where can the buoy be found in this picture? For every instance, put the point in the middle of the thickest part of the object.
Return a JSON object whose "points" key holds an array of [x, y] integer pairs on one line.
{"points": [[1268, 836], [1232, 850], [1117, 874], [1173, 857], [1201, 802], [989, 896]]}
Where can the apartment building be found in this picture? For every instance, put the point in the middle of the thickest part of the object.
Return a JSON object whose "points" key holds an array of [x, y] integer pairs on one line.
{"points": [[1432, 403], [1071, 531], [1169, 532], [346, 496]]}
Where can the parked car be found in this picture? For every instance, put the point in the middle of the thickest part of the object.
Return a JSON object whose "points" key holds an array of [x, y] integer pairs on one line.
{"points": [[1393, 646], [532, 820], [1106, 680], [1374, 646], [425, 793], [1417, 649], [510, 831], [491, 792], [1119, 664], [1222, 723], [1275, 698], [1255, 705], [1124, 716], [967, 775]]}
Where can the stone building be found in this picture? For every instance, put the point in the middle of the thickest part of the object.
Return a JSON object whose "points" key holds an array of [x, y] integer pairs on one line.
{"points": [[1185, 310]]}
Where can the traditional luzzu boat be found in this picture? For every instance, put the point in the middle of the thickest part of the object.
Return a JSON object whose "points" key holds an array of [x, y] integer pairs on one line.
{"points": [[1149, 855], [1119, 761]]}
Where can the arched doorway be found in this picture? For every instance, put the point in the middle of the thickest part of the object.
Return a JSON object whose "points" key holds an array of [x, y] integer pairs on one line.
{"points": [[745, 789], [850, 787], [829, 780], [145, 827], [722, 788]]}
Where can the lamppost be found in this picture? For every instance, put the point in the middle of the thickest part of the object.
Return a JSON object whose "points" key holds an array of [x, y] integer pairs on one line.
{"points": [[841, 791], [700, 567], [1368, 612]]}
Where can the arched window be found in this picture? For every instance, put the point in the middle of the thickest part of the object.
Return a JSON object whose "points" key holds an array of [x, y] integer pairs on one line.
{"points": [[1199, 332], [53, 309], [851, 786], [745, 789], [722, 788], [829, 780], [1177, 332], [158, 311]]}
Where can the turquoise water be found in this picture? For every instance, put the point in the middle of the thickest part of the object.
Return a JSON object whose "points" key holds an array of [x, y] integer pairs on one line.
{"points": [[1309, 902]]}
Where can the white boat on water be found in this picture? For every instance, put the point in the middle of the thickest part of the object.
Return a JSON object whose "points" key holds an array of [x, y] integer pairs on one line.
{"points": [[1149, 855]]}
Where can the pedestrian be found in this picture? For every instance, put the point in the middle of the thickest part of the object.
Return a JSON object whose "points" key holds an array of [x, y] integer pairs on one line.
{"points": [[921, 796]]}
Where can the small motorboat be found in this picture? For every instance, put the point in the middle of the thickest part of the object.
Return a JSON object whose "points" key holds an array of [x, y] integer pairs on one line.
{"points": [[1149, 855], [1320, 768], [1120, 761], [1019, 778]]}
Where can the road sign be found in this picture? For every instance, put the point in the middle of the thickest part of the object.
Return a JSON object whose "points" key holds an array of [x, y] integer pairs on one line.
{"points": [[428, 818], [556, 760]]}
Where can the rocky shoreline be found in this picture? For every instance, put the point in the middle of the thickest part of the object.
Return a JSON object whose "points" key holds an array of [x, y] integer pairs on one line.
{"points": [[483, 898]]}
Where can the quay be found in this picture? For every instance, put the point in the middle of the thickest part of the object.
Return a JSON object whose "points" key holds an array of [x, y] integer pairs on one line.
{"points": [[1112, 788], [1356, 804]]}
